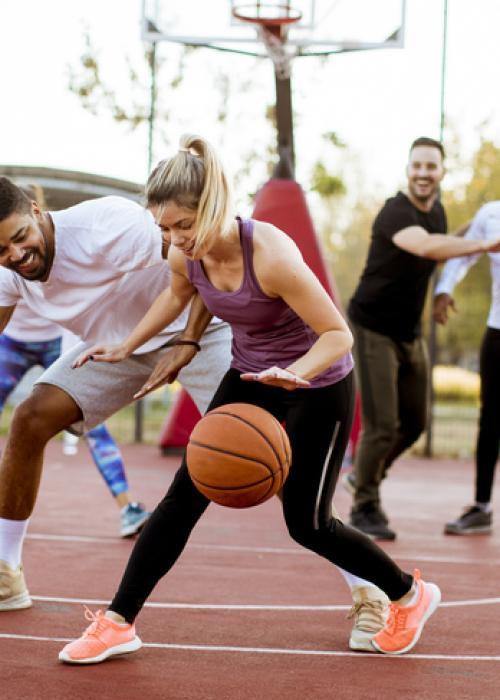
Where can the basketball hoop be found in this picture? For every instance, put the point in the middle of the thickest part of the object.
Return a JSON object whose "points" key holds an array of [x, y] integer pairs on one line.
{"points": [[271, 21], [267, 13]]}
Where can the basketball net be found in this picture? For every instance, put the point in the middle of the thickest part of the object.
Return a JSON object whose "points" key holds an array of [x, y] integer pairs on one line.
{"points": [[277, 51]]}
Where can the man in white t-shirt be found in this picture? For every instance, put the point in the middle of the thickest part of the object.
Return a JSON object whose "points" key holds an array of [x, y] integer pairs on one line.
{"points": [[94, 269], [31, 341], [478, 518]]}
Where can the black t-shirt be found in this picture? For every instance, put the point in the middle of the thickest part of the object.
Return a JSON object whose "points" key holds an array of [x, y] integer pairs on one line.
{"points": [[391, 293]]}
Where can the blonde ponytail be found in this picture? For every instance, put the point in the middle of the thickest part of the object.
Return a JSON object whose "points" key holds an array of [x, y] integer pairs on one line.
{"points": [[194, 179]]}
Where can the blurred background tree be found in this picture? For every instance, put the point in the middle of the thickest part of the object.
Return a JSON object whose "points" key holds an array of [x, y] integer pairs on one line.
{"points": [[343, 214], [159, 97]]}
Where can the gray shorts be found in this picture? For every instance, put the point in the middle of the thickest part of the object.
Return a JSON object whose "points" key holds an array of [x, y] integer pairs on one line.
{"points": [[101, 388]]}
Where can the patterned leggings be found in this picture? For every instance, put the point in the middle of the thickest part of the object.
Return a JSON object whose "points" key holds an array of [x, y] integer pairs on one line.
{"points": [[16, 358]]}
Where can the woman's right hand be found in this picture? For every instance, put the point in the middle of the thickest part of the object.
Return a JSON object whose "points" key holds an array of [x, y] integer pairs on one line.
{"points": [[441, 307], [102, 353]]}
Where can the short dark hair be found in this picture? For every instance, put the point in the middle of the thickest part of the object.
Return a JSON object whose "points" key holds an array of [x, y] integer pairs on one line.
{"points": [[426, 141], [12, 199], [35, 194]]}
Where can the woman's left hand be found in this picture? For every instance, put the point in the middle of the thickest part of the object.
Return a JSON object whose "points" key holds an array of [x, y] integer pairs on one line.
{"points": [[276, 376], [167, 368]]}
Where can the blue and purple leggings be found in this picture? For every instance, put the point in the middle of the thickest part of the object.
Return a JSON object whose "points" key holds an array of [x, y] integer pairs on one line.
{"points": [[16, 358]]}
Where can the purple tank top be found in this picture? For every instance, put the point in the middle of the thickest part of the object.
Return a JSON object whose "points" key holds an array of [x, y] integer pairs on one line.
{"points": [[266, 331]]}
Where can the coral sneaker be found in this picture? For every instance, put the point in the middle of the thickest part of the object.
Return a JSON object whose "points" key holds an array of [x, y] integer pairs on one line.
{"points": [[102, 639], [405, 624]]}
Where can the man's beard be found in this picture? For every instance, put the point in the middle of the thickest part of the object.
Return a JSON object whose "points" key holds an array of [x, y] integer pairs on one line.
{"points": [[41, 269], [424, 198]]}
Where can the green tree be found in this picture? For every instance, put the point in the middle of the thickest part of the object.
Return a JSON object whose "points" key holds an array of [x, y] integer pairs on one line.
{"points": [[344, 220], [177, 69]]}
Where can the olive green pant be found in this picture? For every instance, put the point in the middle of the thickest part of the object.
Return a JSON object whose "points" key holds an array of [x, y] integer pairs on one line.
{"points": [[393, 383]]}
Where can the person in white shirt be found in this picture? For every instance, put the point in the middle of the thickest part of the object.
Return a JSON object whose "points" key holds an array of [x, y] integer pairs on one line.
{"points": [[477, 518], [93, 269], [31, 341]]}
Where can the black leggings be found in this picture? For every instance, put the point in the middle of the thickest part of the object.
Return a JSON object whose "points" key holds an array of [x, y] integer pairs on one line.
{"points": [[318, 422], [488, 439]]}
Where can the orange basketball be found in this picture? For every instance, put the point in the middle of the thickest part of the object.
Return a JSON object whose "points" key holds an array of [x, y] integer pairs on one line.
{"points": [[238, 455]]}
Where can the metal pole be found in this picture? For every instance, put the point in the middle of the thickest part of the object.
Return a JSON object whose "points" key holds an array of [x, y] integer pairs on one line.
{"points": [[432, 324], [139, 405], [285, 169], [443, 70], [152, 104]]}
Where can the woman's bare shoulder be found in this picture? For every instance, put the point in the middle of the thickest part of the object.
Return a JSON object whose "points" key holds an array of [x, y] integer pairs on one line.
{"points": [[277, 259], [177, 261], [271, 239]]}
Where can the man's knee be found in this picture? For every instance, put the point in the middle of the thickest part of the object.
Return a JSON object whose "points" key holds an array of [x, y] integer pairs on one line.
{"points": [[45, 412]]}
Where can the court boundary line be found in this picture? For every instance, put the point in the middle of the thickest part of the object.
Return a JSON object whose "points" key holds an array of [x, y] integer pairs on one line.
{"points": [[250, 606], [295, 551], [271, 650]]}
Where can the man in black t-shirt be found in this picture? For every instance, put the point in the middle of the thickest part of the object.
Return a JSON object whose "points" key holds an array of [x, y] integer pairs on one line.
{"points": [[385, 312]]}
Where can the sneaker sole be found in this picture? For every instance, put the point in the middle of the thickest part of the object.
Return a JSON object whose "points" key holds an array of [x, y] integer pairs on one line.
{"points": [[135, 528], [435, 600], [118, 650], [361, 644], [485, 530], [17, 602]]}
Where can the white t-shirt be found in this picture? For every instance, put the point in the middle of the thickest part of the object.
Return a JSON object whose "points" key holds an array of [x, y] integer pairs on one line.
{"points": [[106, 273], [27, 327], [485, 226]]}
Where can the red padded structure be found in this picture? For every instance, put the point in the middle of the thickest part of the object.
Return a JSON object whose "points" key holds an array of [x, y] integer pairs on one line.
{"points": [[282, 203]]}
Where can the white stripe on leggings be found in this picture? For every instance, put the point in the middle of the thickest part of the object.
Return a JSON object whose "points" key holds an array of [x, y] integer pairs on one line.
{"points": [[323, 474]]}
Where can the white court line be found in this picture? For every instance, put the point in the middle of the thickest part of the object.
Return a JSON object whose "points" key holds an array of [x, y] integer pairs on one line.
{"points": [[270, 650], [250, 606], [256, 550]]}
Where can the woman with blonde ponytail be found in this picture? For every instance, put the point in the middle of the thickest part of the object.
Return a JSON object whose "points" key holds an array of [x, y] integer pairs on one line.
{"points": [[290, 356], [195, 179]]}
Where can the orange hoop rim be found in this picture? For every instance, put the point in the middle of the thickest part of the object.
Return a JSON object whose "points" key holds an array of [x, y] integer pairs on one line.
{"points": [[243, 13]]}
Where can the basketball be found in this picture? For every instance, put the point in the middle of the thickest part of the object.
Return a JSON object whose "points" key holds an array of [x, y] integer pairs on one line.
{"points": [[238, 455]]}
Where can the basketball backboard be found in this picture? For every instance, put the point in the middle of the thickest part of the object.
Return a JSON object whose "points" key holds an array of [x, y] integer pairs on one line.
{"points": [[325, 26]]}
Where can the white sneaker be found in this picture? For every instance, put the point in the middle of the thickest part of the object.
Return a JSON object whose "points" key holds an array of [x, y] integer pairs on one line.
{"points": [[13, 592], [370, 611], [132, 519]]}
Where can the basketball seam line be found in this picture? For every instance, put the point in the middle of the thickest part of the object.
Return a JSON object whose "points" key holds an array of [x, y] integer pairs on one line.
{"points": [[257, 430], [236, 454], [230, 488]]}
